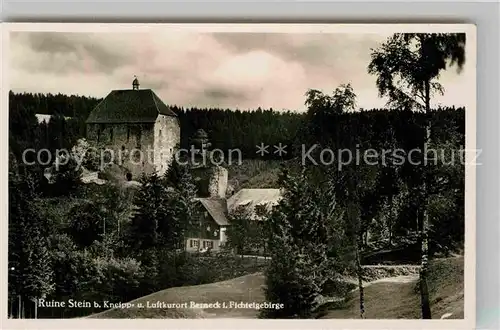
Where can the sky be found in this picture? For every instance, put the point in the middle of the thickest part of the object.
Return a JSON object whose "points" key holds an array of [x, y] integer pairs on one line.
{"points": [[226, 70]]}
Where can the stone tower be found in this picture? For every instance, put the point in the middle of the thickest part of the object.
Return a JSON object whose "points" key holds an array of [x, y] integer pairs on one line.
{"points": [[137, 128], [212, 179]]}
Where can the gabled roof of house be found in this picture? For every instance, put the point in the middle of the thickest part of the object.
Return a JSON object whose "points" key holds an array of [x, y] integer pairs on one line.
{"points": [[250, 198], [129, 106], [217, 208]]}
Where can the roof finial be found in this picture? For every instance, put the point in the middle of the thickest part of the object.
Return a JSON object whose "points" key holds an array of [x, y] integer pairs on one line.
{"points": [[135, 83]]}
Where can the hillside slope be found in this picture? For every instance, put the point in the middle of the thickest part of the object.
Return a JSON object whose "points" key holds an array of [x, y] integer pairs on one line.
{"points": [[385, 298], [400, 298], [247, 288]]}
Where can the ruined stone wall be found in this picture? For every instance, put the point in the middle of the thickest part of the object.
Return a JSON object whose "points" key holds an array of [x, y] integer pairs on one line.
{"points": [[217, 185], [128, 145], [211, 181], [167, 135]]}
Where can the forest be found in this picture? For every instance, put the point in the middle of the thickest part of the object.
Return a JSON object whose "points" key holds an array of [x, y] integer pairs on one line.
{"points": [[68, 240]]}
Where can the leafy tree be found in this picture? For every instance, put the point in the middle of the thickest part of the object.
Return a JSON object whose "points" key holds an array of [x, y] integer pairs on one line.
{"points": [[103, 215], [407, 67], [238, 234], [343, 99], [323, 110], [116, 203], [73, 273], [246, 233], [87, 223], [122, 277], [64, 177], [446, 208]]}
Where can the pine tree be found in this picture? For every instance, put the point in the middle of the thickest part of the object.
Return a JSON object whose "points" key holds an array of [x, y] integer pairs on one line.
{"points": [[31, 274], [152, 208], [303, 229], [185, 213]]}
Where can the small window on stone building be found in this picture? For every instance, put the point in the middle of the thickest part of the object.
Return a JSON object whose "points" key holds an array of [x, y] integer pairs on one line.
{"points": [[111, 134]]}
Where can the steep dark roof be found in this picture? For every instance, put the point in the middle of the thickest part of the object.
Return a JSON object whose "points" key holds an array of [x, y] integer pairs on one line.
{"points": [[129, 106], [217, 209]]}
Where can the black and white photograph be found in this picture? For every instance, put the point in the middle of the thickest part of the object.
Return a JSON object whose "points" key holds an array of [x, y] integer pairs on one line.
{"points": [[240, 171]]}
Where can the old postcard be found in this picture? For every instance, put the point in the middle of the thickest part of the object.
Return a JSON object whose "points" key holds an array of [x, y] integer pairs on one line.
{"points": [[233, 172]]}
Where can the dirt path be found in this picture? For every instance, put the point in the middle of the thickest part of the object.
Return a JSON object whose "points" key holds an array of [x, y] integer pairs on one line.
{"points": [[395, 279]]}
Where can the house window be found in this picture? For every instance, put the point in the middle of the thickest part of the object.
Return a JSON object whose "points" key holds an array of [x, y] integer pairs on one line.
{"points": [[195, 242], [208, 244]]}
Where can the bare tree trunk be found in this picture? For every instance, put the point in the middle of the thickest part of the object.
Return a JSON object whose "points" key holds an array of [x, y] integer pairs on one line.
{"points": [[359, 273], [424, 290], [391, 217]]}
